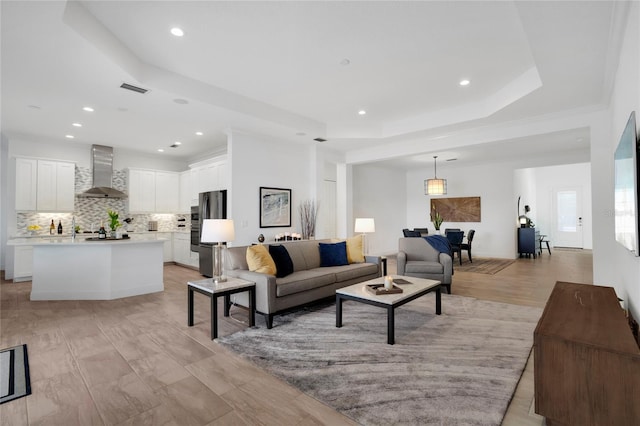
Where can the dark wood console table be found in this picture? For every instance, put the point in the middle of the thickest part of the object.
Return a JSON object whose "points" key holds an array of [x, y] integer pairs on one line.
{"points": [[586, 361]]}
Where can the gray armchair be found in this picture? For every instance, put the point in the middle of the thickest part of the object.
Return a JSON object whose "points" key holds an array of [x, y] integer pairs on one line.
{"points": [[416, 258]]}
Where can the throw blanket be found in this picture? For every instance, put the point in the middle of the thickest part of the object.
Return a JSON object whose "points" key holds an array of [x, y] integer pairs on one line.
{"points": [[439, 243]]}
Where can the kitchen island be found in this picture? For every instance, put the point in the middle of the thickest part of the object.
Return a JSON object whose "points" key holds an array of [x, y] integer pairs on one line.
{"points": [[81, 269]]}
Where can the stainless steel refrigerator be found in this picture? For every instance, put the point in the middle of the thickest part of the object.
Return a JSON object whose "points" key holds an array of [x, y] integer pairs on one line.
{"points": [[211, 205]]}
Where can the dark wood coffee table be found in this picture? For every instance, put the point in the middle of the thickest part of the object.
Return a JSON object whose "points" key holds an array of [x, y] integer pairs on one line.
{"points": [[417, 287]]}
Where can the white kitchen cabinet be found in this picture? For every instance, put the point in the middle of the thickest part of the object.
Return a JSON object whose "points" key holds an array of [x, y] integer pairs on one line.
{"points": [[185, 192], [182, 250], [167, 192], [153, 191], [55, 186], [208, 177], [142, 191], [22, 263], [45, 185], [26, 184]]}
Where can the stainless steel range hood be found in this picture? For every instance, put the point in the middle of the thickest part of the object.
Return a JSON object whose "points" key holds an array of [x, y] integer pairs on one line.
{"points": [[102, 164]]}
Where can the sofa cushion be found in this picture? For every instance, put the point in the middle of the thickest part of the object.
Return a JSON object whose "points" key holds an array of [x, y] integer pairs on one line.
{"points": [[424, 267], [333, 254], [280, 255], [352, 271], [354, 249], [302, 281], [259, 260]]}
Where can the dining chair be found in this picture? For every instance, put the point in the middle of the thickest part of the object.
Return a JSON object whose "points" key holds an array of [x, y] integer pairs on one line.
{"points": [[455, 239], [409, 233], [447, 230], [423, 231], [467, 246]]}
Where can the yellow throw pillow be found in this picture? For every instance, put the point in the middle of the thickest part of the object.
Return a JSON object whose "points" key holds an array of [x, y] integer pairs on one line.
{"points": [[259, 260], [354, 249]]}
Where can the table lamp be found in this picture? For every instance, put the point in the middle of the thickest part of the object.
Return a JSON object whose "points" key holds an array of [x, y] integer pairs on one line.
{"points": [[364, 225], [217, 231]]}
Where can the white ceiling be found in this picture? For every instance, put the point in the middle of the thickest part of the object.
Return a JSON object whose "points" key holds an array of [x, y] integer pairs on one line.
{"points": [[277, 69]]}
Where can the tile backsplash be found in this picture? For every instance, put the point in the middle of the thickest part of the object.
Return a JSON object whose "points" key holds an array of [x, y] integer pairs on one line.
{"points": [[93, 211]]}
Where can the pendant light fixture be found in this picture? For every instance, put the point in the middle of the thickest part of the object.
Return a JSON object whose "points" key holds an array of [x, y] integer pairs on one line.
{"points": [[435, 186]]}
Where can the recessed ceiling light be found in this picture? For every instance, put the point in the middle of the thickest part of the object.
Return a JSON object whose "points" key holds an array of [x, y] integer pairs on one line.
{"points": [[69, 136], [181, 101], [177, 32], [345, 62], [199, 133], [160, 150], [362, 112], [301, 134], [88, 109], [464, 82], [76, 125], [177, 143], [34, 106]]}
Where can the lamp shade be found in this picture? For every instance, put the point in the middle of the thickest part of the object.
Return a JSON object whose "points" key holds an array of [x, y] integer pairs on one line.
{"points": [[365, 224], [217, 231], [435, 186]]}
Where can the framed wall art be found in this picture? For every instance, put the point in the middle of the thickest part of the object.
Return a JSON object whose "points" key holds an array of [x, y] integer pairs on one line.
{"points": [[275, 207], [462, 209]]}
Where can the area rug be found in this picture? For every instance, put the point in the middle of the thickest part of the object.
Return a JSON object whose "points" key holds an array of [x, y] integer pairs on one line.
{"points": [[458, 368], [483, 265], [14, 373]]}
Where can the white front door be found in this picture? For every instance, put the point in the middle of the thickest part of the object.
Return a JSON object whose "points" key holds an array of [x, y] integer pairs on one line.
{"points": [[568, 217]]}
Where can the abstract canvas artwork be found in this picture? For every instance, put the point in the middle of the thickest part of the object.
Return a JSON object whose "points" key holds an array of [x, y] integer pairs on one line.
{"points": [[461, 209], [275, 207]]}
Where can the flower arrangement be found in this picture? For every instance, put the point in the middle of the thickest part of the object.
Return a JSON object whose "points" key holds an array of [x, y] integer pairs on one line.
{"points": [[437, 219], [115, 223]]}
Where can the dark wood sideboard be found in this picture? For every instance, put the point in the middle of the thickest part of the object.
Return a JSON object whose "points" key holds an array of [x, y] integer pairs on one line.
{"points": [[586, 361]]}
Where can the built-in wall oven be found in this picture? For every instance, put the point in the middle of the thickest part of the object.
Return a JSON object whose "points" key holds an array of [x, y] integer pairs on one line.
{"points": [[195, 229]]}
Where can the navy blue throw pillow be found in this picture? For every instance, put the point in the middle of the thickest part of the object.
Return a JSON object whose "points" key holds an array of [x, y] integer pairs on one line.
{"points": [[280, 256], [333, 254]]}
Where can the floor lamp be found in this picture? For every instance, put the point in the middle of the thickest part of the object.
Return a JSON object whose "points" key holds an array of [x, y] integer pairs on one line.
{"points": [[217, 231], [364, 225]]}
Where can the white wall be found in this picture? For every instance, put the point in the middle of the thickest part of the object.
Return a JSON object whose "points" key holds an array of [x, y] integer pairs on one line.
{"points": [[524, 183], [4, 155], [81, 155], [549, 179], [380, 193], [496, 231], [613, 264], [258, 161]]}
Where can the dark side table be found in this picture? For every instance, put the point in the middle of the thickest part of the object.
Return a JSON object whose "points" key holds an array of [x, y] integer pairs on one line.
{"points": [[215, 290]]}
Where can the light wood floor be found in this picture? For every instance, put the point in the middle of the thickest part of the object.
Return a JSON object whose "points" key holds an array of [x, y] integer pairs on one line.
{"points": [[135, 362]]}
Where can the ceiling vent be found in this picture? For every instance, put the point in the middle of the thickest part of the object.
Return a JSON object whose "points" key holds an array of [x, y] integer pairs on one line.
{"points": [[320, 140], [133, 88]]}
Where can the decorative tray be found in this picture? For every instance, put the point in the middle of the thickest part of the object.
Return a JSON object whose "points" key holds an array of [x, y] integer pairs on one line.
{"points": [[379, 289]]}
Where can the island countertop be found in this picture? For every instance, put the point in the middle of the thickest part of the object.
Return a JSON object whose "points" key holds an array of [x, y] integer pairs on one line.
{"points": [[66, 269], [67, 241]]}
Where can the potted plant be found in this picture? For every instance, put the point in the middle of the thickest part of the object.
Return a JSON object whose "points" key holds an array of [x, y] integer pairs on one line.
{"points": [[437, 219], [114, 223]]}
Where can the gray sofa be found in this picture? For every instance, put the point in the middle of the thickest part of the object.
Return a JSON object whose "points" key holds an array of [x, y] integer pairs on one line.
{"points": [[308, 283], [417, 258]]}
